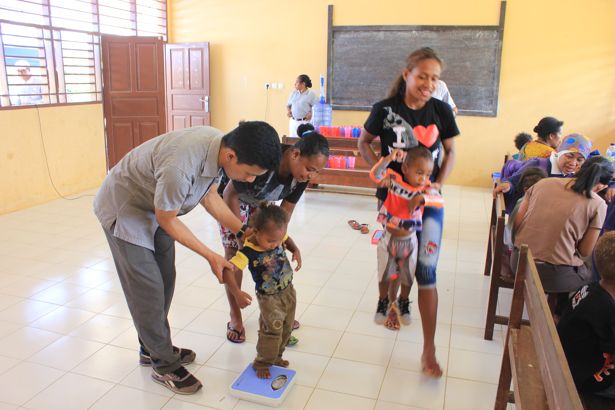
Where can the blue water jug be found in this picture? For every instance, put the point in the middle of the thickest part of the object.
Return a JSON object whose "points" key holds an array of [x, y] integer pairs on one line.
{"points": [[322, 114], [610, 152]]}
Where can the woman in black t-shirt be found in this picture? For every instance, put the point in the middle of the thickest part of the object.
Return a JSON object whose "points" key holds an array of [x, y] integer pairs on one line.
{"points": [[299, 164], [410, 110]]}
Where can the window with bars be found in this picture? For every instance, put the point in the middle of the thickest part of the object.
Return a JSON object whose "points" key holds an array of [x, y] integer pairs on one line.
{"points": [[50, 49]]}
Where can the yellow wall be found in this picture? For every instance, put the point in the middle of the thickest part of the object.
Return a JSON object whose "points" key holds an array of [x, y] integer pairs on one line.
{"points": [[558, 59], [74, 141]]}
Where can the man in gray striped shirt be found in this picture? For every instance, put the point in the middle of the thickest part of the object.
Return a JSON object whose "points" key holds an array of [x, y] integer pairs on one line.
{"points": [[138, 206]]}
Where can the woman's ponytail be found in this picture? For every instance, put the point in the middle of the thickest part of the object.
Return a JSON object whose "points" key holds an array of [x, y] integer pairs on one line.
{"points": [[596, 170]]}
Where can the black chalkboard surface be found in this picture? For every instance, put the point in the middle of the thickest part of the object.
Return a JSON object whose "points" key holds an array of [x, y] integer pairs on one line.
{"points": [[363, 62]]}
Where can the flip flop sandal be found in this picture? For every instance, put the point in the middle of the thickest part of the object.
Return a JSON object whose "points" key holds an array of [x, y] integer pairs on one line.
{"points": [[238, 337], [296, 324], [292, 340], [364, 228], [354, 224]]}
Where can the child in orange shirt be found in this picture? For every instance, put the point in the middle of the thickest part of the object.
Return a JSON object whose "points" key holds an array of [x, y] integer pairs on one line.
{"points": [[402, 212]]}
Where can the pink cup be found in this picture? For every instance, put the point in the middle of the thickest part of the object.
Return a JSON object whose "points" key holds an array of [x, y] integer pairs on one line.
{"points": [[338, 161], [348, 132], [350, 161], [332, 162]]}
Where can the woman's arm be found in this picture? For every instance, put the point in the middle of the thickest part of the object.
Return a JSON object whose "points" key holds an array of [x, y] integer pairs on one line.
{"points": [[447, 163], [231, 198], [365, 148], [520, 214], [216, 206], [289, 207], [587, 243]]}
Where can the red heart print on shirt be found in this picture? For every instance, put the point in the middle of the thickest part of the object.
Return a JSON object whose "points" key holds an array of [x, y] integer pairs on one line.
{"points": [[426, 135]]}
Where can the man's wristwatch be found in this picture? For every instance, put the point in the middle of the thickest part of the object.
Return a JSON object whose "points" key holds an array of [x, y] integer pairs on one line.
{"points": [[242, 231]]}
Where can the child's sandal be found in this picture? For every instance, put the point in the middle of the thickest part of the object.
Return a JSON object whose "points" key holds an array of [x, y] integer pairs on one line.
{"points": [[354, 224], [364, 228], [292, 340]]}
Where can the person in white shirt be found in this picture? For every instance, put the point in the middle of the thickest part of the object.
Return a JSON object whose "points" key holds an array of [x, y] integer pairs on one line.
{"points": [[444, 95], [300, 103], [27, 90]]}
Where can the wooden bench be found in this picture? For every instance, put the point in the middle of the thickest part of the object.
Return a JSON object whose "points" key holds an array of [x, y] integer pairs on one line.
{"points": [[533, 356], [499, 267]]}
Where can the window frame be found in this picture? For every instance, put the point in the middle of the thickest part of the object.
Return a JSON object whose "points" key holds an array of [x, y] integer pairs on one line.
{"points": [[54, 57]]}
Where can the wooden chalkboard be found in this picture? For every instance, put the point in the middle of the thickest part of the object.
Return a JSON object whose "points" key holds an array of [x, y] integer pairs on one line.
{"points": [[363, 62]]}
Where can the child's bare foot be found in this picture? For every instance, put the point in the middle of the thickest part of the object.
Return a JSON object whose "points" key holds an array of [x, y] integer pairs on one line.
{"points": [[263, 374], [392, 322], [430, 365], [281, 363]]}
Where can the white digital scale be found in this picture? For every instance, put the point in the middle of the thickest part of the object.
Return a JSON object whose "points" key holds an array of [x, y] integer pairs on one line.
{"points": [[270, 392]]}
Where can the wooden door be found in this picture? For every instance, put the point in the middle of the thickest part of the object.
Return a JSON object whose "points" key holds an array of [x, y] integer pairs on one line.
{"points": [[133, 92], [187, 85]]}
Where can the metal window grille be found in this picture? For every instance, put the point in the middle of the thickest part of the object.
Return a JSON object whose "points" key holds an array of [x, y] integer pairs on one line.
{"points": [[50, 49]]}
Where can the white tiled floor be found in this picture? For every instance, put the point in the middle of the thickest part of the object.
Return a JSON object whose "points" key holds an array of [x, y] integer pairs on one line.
{"points": [[67, 341]]}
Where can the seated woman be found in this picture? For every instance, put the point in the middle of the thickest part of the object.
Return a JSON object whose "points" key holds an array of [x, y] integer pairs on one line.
{"points": [[530, 176], [608, 226], [570, 155], [549, 132], [298, 165], [609, 221], [560, 219]]}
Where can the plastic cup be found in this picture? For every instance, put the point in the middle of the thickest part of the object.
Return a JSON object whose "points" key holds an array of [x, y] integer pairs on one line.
{"points": [[496, 177], [338, 161], [348, 132], [350, 161]]}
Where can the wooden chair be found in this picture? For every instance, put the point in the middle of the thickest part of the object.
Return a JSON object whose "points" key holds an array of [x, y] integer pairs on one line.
{"points": [[533, 356], [497, 210], [501, 273], [492, 223]]}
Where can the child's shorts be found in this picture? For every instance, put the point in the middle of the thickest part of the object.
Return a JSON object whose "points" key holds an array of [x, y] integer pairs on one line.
{"points": [[397, 255], [229, 240]]}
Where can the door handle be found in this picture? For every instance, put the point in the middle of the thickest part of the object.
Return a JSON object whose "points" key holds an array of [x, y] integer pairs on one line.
{"points": [[206, 101]]}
